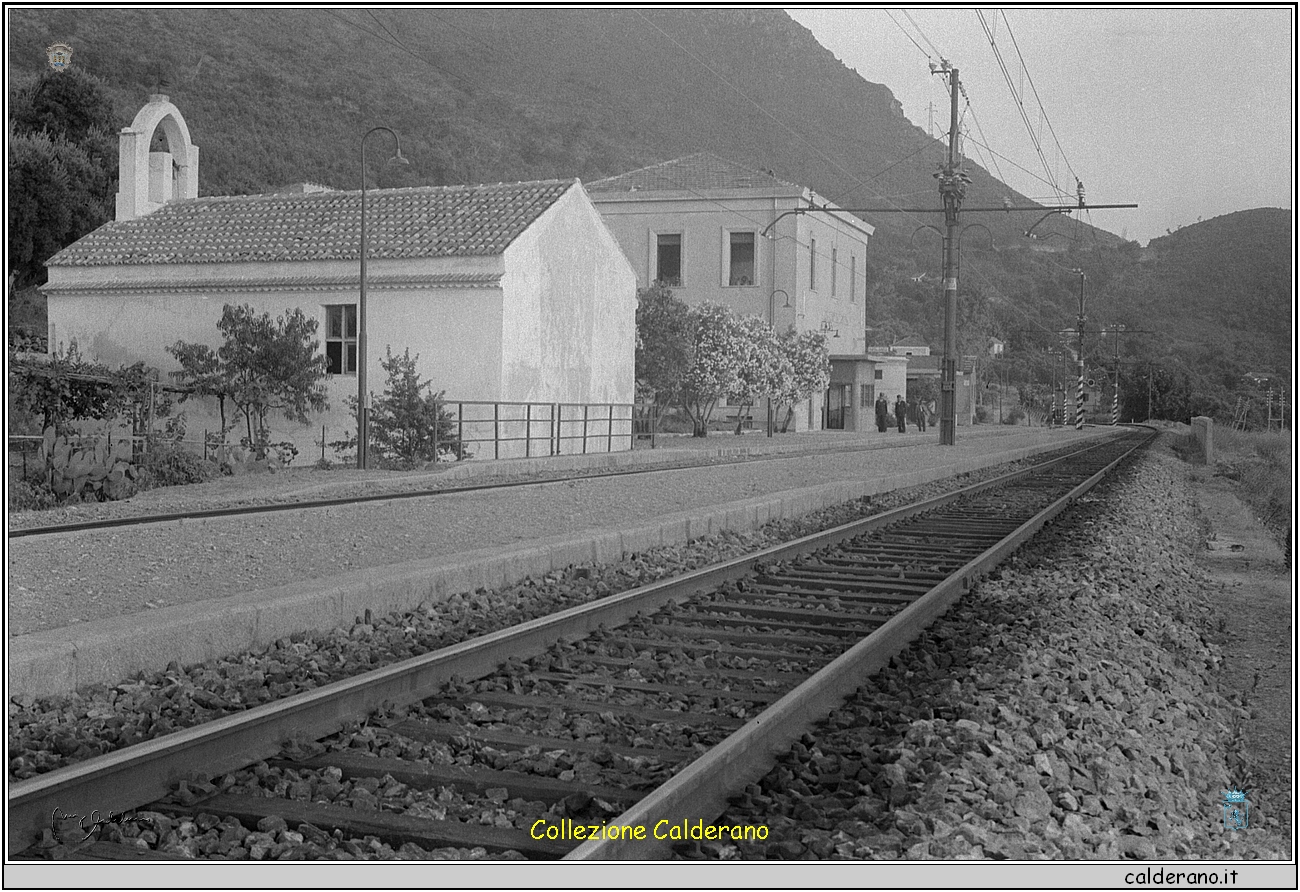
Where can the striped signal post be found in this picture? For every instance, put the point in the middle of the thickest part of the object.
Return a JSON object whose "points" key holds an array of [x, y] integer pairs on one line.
{"points": [[1078, 404], [1114, 405]]}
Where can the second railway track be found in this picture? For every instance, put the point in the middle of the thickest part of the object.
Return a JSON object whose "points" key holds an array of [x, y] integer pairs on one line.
{"points": [[647, 709], [226, 511]]}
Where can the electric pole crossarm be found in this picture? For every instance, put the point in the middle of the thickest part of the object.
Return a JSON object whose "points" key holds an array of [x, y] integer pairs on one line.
{"points": [[1063, 209]]}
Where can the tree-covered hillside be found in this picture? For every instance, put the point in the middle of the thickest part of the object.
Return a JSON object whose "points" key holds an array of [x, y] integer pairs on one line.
{"points": [[282, 95]]}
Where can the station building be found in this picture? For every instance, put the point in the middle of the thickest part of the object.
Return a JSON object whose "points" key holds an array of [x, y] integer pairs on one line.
{"points": [[718, 232]]}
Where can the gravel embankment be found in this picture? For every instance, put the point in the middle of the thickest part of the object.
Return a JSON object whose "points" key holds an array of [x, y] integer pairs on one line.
{"points": [[1069, 707]]}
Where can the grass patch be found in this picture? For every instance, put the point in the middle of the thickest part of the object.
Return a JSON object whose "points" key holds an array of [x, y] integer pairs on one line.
{"points": [[1260, 465]]}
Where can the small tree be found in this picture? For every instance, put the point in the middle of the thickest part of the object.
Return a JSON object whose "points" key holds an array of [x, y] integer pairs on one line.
{"points": [[757, 367], [715, 364], [665, 344], [202, 375], [272, 364], [810, 370], [405, 423], [265, 364]]}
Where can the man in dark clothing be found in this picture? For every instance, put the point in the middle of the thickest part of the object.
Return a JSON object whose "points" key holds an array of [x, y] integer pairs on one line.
{"points": [[920, 416], [900, 412], [882, 413]]}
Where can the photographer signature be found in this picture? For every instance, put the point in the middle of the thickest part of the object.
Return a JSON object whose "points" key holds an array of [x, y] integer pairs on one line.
{"points": [[59, 819]]}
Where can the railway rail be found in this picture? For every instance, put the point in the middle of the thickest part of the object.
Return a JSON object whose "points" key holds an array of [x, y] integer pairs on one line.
{"points": [[429, 492], [647, 709]]}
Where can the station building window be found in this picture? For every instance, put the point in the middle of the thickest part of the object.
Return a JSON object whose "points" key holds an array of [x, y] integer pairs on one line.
{"points": [[741, 259], [668, 258], [341, 339]]}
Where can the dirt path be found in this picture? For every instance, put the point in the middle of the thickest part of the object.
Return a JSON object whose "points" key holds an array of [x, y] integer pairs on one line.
{"points": [[1257, 641]]}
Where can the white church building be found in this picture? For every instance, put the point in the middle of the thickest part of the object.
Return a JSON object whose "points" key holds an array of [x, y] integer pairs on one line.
{"points": [[509, 293]]}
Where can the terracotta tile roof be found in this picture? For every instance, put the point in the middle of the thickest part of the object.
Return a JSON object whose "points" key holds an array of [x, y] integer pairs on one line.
{"points": [[424, 221], [696, 172]]}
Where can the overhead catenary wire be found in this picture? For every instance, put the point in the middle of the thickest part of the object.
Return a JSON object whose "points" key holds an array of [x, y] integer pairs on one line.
{"points": [[1020, 106], [908, 36], [1042, 109]]}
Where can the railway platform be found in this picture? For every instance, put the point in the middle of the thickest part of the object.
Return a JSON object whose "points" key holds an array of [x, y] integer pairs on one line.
{"points": [[99, 606]]}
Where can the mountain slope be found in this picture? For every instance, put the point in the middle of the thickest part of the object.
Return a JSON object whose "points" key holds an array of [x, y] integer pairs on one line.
{"points": [[482, 95], [277, 96]]}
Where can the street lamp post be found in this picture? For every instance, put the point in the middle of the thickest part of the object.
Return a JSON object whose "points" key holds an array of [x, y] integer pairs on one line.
{"points": [[771, 318], [363, 394]]}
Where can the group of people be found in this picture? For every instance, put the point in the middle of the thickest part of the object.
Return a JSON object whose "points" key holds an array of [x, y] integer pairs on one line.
{"points": [[900, 414]]}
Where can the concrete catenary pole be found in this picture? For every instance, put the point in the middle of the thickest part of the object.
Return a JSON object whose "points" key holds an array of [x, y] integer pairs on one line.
{"points": [[951, 188]]}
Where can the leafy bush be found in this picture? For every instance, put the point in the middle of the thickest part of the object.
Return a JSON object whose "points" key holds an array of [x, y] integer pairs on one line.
{"points": [[408, 428], [25, 495], [173, 466], [981, 415], [1015, 416]]}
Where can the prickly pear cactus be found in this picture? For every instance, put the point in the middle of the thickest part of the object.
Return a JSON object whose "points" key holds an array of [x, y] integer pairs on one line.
{"points": [[99, 469]]}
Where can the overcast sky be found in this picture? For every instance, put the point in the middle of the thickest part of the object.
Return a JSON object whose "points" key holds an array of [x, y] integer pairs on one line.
{"points": [[1190, 113]]}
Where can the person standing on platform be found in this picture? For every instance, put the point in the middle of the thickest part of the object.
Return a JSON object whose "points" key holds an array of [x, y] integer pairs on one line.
{"points": [[920, 416], [882, 413], [900, 412]]}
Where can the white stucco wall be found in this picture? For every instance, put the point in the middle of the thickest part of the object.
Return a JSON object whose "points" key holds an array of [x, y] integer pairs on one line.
{"points": [[132, 314], [569, 318], [893, 379], [781, 262]]}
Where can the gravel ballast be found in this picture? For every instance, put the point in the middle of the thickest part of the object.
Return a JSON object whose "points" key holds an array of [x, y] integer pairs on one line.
{"points": [[1069, 707], [1070, 674]]}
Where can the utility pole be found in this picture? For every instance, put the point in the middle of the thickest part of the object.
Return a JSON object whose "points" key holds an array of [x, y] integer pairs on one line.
{"points": [[952, 188], [1150, 374]]}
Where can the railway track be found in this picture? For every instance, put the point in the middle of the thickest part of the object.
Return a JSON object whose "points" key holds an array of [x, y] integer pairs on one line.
{"points": [[424, 493], [609, 730]]}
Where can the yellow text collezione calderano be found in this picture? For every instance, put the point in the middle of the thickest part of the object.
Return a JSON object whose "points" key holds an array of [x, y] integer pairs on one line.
{"points": [[574, 831]]}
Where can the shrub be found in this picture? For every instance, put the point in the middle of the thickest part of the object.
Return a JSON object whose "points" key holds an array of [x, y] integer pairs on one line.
{"points": [[981, 415], [408, 426], [25, 495], [1015, 416], [173, 466]]}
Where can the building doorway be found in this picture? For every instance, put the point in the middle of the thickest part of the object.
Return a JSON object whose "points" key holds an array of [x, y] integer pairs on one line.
{"points": [[837, 404]]}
